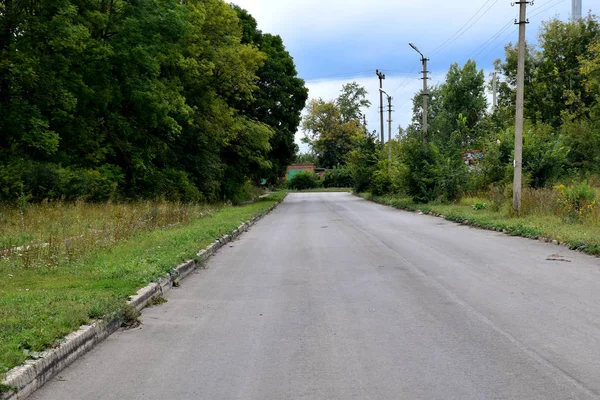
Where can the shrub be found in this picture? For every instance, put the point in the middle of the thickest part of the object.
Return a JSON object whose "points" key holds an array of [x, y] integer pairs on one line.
{"points": [[381, 183], [338, 177], [39, 181], [422, 172], [303, 180], [576, 202]]}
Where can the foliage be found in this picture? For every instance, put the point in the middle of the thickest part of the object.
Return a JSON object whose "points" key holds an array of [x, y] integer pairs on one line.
{"points": [[423, 170], [280, 97], [168, 99], [351, 100], [577, 202], [479, 206], [305, 158], [338, 177], [304, 180], [553, 74], [332, 128], [363, 163]]}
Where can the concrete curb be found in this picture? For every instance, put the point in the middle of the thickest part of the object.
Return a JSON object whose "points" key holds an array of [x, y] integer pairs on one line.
{"points": [[35, 373]]}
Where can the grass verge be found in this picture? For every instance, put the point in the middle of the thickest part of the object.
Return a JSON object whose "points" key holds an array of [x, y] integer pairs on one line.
{"points": [[577, 236], [41, 305]]}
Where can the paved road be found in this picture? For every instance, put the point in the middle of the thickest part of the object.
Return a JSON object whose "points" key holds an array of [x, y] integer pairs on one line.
{"points": [[333, 297]]}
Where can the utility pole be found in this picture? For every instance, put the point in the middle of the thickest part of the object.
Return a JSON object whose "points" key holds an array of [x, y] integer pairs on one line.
{"points": [[495, 90], [425, 98], [389, 134], [425, 91], [389, 128], [381, 76], [576, 10], [518, 161]]}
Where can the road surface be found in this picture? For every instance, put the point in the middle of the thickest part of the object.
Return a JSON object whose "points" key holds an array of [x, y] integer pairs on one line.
{"points": [[334, 297]]}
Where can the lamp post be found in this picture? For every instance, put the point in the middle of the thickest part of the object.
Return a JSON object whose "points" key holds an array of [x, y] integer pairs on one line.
{"points": [[389, 128], [425, 91]]}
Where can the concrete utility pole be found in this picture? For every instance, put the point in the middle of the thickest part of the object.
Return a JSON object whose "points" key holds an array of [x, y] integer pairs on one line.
{"points": [[425, 90], [576, 10], [495, 90], [389, 133], [381, 76], [518, 161], [389, 129]]}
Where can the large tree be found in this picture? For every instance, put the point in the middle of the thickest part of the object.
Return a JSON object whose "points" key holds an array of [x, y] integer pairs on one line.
{"points": [[281, 96], [553, 79]]}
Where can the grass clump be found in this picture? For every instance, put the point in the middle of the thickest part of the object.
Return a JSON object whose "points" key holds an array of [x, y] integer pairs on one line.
{"points": [[156, 301], [41, 302]]}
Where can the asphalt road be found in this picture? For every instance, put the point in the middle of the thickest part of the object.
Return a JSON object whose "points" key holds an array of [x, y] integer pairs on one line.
{"points": [[333, 297]]}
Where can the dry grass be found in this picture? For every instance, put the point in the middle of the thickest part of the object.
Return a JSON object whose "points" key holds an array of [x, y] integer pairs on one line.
{"points": [[46, 235], [539, 202], [94, 266]]}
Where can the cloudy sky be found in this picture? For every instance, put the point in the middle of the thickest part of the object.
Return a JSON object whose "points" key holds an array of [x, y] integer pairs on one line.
{"points": [[338, 41]]}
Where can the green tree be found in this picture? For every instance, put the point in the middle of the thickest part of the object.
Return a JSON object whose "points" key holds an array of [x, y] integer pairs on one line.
{"points": [[328, 135], [280, 98], [553, 79], [351, 100]]}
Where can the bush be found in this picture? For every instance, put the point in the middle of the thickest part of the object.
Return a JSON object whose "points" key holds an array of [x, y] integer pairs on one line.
{"points": [[362, 161], [303, 180], [39, 181], [422, 172], [576, 202], [381, 183], [339, 177]]}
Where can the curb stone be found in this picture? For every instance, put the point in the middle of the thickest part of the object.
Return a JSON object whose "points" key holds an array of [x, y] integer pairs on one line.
{"points": [[33, 374]]}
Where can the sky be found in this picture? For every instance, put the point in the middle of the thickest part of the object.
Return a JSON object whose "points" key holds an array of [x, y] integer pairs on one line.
{"points": [[334, 42]]}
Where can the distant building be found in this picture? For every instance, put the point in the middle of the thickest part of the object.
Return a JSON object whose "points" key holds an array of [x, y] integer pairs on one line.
{"points": [[296, 168]]}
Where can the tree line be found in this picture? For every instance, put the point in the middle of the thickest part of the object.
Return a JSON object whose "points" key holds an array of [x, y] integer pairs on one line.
{"points": [[469, 148], [116, 99]]}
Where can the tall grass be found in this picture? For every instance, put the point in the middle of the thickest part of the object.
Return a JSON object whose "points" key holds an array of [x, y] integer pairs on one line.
{"points": [[79, 262], [46, 235]]}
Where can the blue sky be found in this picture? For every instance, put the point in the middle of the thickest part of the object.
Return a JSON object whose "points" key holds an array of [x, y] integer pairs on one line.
{"points": [[338, 41]]}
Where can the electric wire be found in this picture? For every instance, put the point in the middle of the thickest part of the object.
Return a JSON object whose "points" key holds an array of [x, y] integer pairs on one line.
{"points": [[465, 27]]}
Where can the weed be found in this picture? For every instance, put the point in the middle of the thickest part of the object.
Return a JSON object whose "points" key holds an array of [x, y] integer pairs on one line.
{"points": [[577, 202], [479, 206], [129, 316], [7, 388], [156, 300]]}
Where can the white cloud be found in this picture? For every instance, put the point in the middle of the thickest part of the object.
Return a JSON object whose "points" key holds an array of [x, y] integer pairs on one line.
{"points": [[390, 24], [375, 33]]}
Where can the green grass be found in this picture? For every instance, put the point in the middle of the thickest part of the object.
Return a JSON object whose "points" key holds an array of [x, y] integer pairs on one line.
{"points": [[40, 304], [583, 236]]}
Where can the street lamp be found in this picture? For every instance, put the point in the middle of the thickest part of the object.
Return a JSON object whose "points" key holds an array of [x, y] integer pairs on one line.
{"points": [[389, 128], [425, 92]]}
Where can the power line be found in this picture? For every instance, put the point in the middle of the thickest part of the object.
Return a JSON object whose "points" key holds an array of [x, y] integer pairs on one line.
{"points": [[549, 6], [405, 82], [503, 41], [491, 40], [468, 25]]}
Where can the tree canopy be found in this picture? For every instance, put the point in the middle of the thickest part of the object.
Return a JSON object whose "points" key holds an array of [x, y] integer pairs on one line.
{"points": [[153, 98]]}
